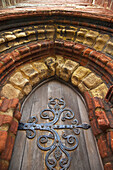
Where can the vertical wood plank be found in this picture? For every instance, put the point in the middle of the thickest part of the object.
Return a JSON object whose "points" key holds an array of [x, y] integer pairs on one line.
{"points": [[20, 142], [32, 154]]}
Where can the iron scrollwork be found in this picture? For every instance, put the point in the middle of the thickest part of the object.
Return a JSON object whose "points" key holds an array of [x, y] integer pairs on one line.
{"points": [[57, 148]]}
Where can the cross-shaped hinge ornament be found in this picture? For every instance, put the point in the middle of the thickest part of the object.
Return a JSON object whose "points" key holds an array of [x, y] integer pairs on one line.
{"points": [[57, 110]]}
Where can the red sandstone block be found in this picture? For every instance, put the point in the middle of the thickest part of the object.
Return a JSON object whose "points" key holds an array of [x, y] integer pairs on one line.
{"points": [[5, 119], [44, 44], [6, 154], [1, 102], [1, 63], [24, 51], [19, 107], [110, 65], [4, 165], [2, 69], [14, 126], [95, 55], [78, 49], [107, 106], [104, 59], [34, 47], [13, 103], [59, 43], [93, 26], [51, 44], [91, 115], [8, 103], [6, 58], [110, 118], [3, 138], [84, 62], [9, 64], [102, 120], [15, 55], [17, 115], [109, 70], [109, 95], [68, 44], [96, 130], [103, 147], [87, 52], [75, 23], [98, 103], [110, 139], [100, 63], [4, 105], [108, 166], [107, 79]]}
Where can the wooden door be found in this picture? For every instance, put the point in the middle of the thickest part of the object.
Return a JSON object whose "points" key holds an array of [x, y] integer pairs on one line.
{"points": [[28, 156]]}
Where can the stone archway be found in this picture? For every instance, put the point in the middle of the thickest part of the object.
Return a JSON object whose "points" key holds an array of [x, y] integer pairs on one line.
{"points": [[21, 82], [75, 46]]}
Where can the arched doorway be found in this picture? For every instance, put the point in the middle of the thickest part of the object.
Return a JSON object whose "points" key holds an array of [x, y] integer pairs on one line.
{"points": [[28, 156]]}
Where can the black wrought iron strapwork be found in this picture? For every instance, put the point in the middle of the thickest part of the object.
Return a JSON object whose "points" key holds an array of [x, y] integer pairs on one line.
{"points": [[57, 148]]}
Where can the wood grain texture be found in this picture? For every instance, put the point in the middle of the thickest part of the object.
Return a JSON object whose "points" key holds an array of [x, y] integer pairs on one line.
{"points": [[26, 154]]}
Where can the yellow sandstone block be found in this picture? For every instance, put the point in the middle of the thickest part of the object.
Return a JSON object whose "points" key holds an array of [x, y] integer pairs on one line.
{"points": [[92, 81], [2, 40], [101, 41], [109, 48], [18, 30], [59, 64], [60, 32], [20, 34], [18, 80], [79, 74], [3, 47], [90, 37], [51, 64], [81, 35], [41, 34], [42, 69], [10, 37], [27, 89], [10, 92], [29, 71], [70, 33], [100, 91], [30, 32], [82, 87], [67, 69]]}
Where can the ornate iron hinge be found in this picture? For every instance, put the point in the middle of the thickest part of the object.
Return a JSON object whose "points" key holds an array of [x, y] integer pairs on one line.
{"points": [[57, 109]]}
